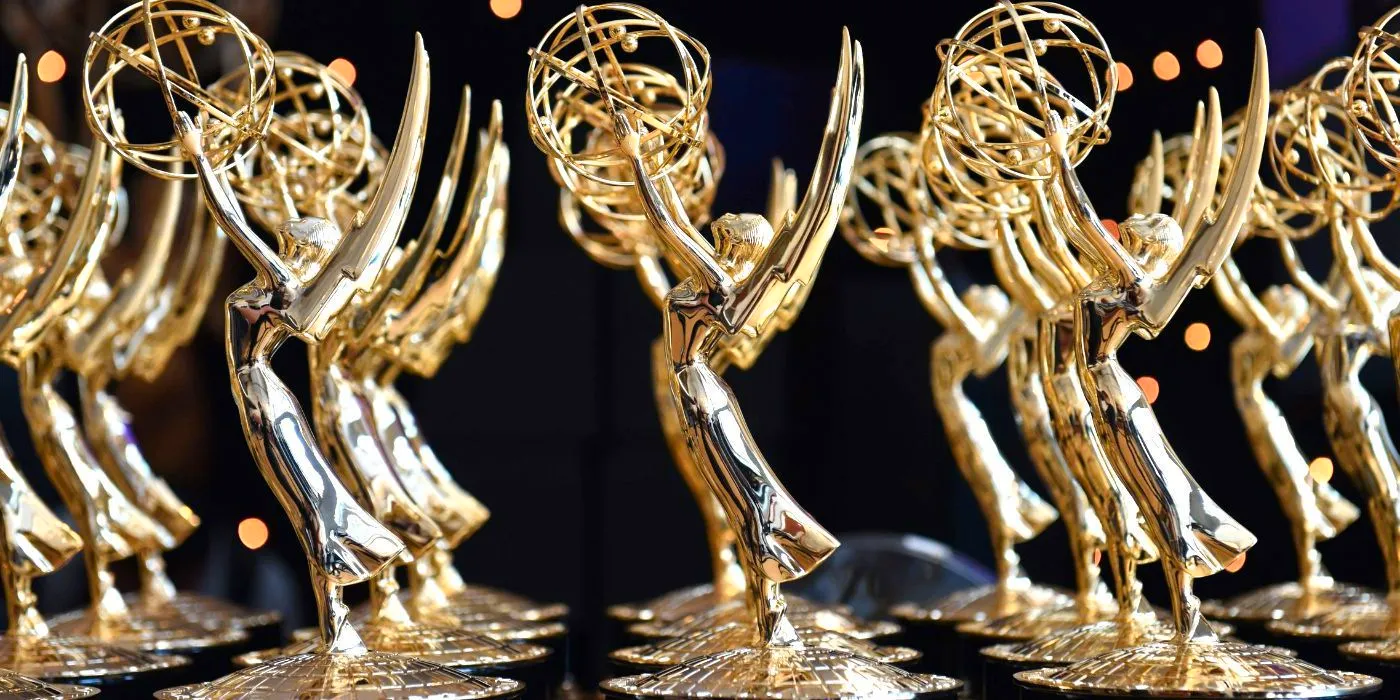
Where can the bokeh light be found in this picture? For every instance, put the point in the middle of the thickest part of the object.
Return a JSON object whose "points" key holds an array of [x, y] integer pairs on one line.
{"points": [[1198, 336], [1208, 54], [343, 68], [252, 532], [505, 9], [1320, 469], [51, 67], [1165, 66], [1125, 76], [1150, 388]]}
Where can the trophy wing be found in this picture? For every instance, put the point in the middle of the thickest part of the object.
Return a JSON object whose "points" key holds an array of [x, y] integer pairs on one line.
{"points": [[357, 261], [790, 263]]}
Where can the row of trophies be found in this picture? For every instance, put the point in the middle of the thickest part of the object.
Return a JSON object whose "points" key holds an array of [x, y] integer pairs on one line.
{"points": [[284, 146]]}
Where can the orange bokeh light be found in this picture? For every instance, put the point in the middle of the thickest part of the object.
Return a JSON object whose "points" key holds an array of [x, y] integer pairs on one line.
{"points": [[252, 532], [1150, 388], [1198, 336], [1320, 469], [1209, 55], [51, 67], [505, 9], [1165, 66], [1237, 564], [1125, 75], [343, 68]]}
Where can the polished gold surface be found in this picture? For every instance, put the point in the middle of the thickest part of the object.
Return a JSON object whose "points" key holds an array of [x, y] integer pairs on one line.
{"points": [[753, 278], [16, 687], [805, 615], [306, 289], [713, 639]]}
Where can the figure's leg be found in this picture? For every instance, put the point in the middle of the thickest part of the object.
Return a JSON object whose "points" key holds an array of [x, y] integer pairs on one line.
{"points": [[333, 616], [1186, 607], [766, 604]]}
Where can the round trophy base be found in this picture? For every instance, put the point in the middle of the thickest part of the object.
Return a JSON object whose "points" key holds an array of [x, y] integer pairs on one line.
{"points": [[1016, 627], [161, 631], [1379, 658], [477, 600], [833, 618], [1318, 637], [1196, 670], [264, 627], [16, 687], [443, 646], [669, 606], [801, 673], [665, 653], [375, 674], [89, 663], [932, 628], [1284, 601]]}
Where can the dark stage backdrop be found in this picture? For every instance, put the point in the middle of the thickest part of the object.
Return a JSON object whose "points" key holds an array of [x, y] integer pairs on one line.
{"points": [[547, 414]]}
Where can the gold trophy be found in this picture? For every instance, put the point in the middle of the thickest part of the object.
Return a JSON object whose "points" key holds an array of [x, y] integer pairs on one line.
{"points": [[1137, 286], [1278, 331], [1370, 90], [344, 364], [1319, 147], [696, 620], [60, 210], [737, 286], [304, 289]]}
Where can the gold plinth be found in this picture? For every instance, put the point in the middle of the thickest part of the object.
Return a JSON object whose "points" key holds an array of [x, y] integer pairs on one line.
{"points": [[1199, 670], [737, 635], [1037, 622], [58, 658], [693, 600], [803, 673], [1381, 650], [372, 674], [148, 629], [1286, 601], [1078, 644], [981, 603], [16, 687], [454, 648], [1364, 620], [834, 619], [214, 611]]}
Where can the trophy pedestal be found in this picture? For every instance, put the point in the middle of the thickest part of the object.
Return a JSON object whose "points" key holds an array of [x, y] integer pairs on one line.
{"points": [[1197, 670], [665, 653], [161, 631], [17, 687], [264, 627], [1252, 612], [1000, 663], [1318, 638], [933, 628], [120, 671], [834, 618], [453, 648], [800, 673], [1379, 658], [370, 674]]}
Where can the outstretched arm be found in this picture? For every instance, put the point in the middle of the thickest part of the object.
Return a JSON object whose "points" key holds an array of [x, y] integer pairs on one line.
{"points": [[935, 292], [1068, 196], [219, 199], [673, 227]]}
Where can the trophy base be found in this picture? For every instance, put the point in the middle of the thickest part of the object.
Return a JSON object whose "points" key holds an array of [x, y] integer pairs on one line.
{"points": [[1197, 670], [160, 631], [264, 627], [443, 646], [90, 663], [801, 673], [1379, 658], [478, 600], [1318, 637], [831, 618], [973, 637], [667, 607], [16, 687], [671, 652], [932, 628], [1284, 601], [370, 674]]}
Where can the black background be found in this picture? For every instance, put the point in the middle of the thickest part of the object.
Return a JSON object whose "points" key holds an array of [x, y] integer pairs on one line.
{"points": [[547, 414]]}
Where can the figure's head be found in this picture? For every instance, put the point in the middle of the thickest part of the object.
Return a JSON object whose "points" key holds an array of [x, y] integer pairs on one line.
{"points": [[986, 302], [739, 241], [306, 243], [1153, 240], [1287, 305]]}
